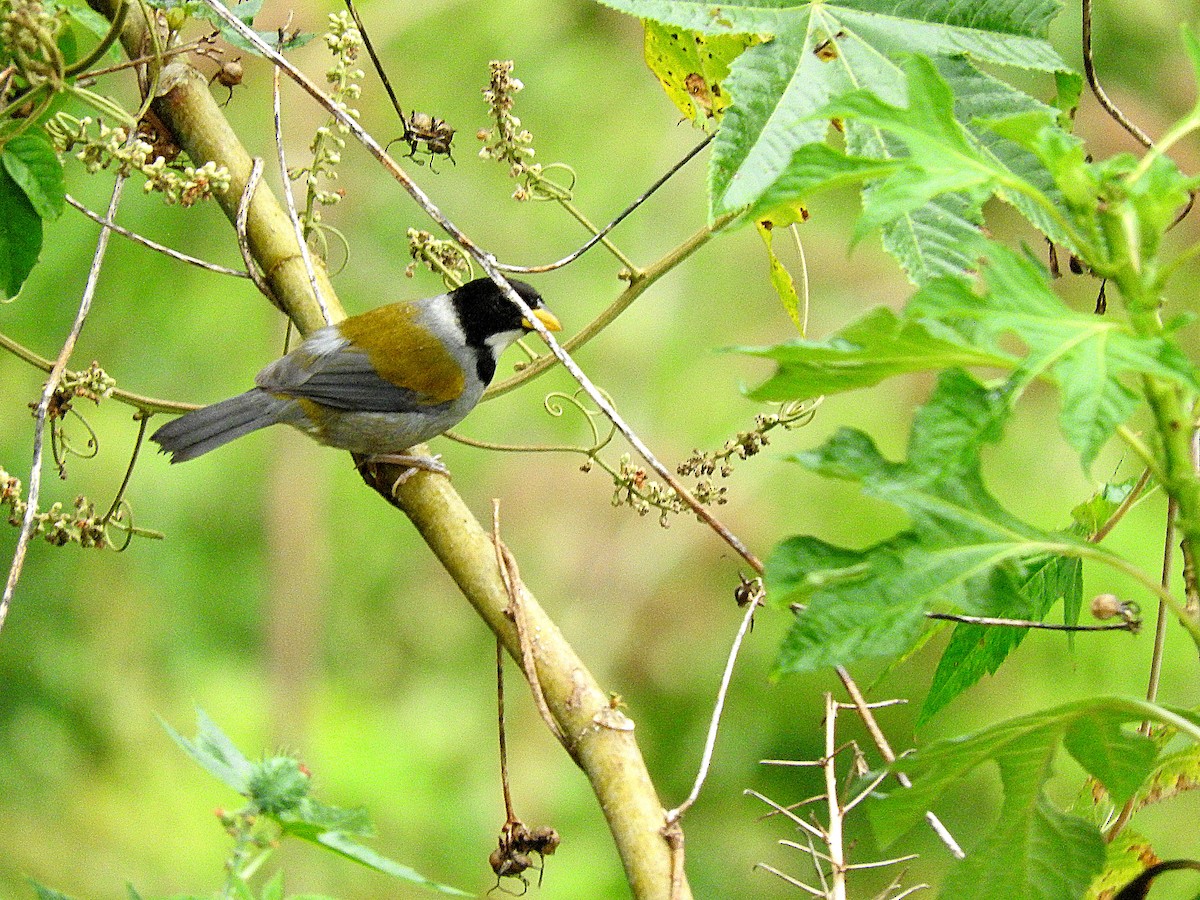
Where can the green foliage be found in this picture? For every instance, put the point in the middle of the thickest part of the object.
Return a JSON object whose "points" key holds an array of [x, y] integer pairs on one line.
{"points": [[1035, 850], [20, 236], [963, 553], [692, 67], [786, 89], [277, 789]]}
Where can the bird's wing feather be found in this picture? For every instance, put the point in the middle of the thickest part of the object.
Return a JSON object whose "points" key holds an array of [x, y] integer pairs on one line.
{"points": [[332, 371]]}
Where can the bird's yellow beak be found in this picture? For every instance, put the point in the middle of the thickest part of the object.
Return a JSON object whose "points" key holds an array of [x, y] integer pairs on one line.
{"points": [[547, 318]]}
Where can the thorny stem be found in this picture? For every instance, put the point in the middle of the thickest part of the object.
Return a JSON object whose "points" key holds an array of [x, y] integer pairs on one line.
{"points": [[29, 522], [488, 263]]}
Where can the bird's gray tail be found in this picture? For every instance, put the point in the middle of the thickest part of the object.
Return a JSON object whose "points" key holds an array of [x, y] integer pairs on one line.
{"points": [[205, 429]]}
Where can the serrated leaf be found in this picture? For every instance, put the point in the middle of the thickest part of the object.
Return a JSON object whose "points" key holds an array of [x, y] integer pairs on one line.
{"points": [[978, 650], [864, 353], [1127, 856], [1176, 773], [1045, 855], [1024, 749], [963, 552], [1086, 355], [31, 161], [820, 50], [20, 236], [215, 753], [692, 67]]}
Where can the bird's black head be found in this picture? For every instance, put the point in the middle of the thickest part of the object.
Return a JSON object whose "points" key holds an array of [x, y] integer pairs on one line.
{"points": [[491, 322]]}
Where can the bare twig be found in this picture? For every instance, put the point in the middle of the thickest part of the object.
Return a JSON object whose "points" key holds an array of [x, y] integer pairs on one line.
{"points": [[790, 880], [803, 824], [514, 587], [147, 404], [29, 522], [153, 245], [290, 203], [1089, 68], [508, 805], [1131, 625], [710, 742]]}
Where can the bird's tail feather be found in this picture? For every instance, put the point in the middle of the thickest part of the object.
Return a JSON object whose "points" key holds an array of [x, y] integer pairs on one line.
{"points": [[207, 428]]}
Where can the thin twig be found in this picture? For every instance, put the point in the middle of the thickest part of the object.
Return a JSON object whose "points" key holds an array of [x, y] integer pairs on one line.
{"points": [[144, 403], [489, 264], [603, 232], [290, 203], [153, 245], [790, 880], [513, 586], [509, 816], [885, 749], [783, 810], [1089, 68], [243, 239], [1132, 625], [1119, 513], [29, 522], [710, 741]]}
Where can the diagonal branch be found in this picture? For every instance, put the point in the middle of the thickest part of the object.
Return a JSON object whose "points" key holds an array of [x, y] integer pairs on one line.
{"points": [[600, 739]]}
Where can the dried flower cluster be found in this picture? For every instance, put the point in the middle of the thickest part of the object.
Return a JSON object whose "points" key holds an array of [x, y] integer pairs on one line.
{"points": [[111, 148], [82, 525], [445, 257], [748, 443]]}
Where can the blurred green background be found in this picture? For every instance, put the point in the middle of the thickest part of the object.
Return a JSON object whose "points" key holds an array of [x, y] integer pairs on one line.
{"points": [[303, 614]]}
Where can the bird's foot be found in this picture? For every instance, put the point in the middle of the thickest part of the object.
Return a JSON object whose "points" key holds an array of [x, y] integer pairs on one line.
{"points": [[412, 464]]}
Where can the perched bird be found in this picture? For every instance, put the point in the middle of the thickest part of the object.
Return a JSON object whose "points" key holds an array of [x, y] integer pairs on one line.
{"points": [[375, 383]]}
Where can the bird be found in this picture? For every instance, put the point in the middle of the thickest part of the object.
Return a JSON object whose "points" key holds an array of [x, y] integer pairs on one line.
{"points": [[376, 383]]}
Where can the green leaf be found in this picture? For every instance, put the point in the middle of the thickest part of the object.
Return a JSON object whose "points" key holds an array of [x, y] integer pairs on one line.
{"points": [[1086, 355], [1035, 850], [864, 353], [781, 278], [692, 67], [215, 753], [1093, 514], [978, 650], [1044, 854], [820, 50], [1125, 858], [1024, 749], [962, 553], [20, 236], [31, 161], [344, 846]]}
